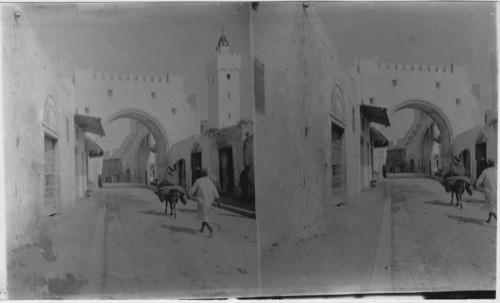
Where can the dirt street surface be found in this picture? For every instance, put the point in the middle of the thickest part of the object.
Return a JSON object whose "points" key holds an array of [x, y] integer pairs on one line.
{"points": [[437, 246], [340, 261], [152, 255]]}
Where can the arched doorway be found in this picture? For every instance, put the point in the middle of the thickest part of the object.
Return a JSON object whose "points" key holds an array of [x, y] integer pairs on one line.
{"points": [[412, 166], [441, 121], [156, 130]]}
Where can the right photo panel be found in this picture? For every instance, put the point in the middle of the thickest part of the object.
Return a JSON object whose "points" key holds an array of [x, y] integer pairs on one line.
{"points": [[375, 147]]}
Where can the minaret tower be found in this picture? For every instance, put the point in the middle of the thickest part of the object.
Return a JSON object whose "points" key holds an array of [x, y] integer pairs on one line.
{"points": [[223, 76]]}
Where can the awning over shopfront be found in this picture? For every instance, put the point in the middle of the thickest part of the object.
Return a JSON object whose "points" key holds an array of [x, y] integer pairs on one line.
{"points": [[92, 147], [377, 138], [375, 114], [90, 124]]}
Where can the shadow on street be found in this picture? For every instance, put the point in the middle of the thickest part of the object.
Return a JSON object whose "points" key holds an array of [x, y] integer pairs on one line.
{"points": [[440, 203], [468, 220], [153, 212], [180, 229], [470, 200]]}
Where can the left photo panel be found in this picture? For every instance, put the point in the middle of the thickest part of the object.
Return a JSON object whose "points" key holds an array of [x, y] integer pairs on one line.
{"points": [[128, 151]]}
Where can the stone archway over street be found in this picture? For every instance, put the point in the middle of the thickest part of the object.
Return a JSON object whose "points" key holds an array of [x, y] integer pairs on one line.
{"points": [[439, 118]]}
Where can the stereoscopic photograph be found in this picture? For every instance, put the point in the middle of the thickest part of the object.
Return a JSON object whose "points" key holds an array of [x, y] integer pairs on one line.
{"points": [[129, 145], [211, 150]]}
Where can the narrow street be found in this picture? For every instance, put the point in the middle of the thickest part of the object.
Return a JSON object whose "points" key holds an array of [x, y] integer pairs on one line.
{"points": [[148, 254], [437, 246]]}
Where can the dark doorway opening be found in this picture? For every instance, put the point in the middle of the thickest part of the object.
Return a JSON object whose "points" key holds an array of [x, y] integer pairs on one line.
{"points": [[480, 154], [127, 175], [466, 160], [181, 171], [195, 163], [226, 170], [412, 166]]}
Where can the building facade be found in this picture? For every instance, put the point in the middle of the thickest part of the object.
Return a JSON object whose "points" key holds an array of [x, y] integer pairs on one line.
{"points": [[46, 146], [442, 93], [225, 144], [312, 137], [157, 102]]}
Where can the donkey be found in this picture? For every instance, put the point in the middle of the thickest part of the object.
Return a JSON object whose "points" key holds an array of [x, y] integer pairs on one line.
{"points": [[171, 195], [458, 188]]}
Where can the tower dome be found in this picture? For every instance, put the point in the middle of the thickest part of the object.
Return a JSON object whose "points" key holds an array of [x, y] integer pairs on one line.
{"points": [[223, 43]]}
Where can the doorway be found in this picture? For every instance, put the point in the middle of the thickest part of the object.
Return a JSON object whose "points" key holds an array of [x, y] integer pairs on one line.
{"points": [[466, 161], [181, 171], [50, 197], [412, 166], [337, 168], [480, 153], [127, 175], [226, 171], [195, 163]]}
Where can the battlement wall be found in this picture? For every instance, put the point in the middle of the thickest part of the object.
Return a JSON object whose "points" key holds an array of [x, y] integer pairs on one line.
{"points": [[164, 81], [372, 65]]}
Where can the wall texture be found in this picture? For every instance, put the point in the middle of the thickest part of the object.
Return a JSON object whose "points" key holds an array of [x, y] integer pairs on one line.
{"points": [[302, 74], [35, 104]]}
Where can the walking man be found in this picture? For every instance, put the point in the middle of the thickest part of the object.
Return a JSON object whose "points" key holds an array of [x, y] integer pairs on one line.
{"points": [[206, 193], [489, 178]]}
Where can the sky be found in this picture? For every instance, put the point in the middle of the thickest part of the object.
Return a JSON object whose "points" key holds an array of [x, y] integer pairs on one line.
{"points": [[180, 38]]}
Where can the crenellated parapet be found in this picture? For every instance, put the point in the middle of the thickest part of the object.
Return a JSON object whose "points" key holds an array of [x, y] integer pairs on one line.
{"points": [[451, 70], [163, 81], [228, 61]]}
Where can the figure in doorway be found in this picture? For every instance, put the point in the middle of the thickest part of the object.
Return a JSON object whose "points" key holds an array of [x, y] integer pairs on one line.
{"points": [[244, 183], [206, 193], [489, 178]]}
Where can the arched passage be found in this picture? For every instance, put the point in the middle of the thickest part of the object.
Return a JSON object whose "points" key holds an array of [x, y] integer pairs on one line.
{"points": [[154, 126], [439, 119], [427, 145]]}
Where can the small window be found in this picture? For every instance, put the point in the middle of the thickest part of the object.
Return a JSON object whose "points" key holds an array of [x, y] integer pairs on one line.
{"points": [[87, 110], [438, 85], [229, 116], [394, 82], [174, 111], [67, 129], [228, 76], [353, 119], [110, 93], [372, 100], [459, 101], [153, 95], [229, 95]]}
